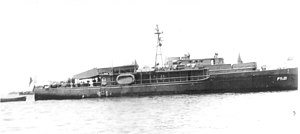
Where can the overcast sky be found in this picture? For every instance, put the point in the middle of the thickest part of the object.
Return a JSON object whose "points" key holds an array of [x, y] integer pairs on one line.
{"points": [[56, 39]]}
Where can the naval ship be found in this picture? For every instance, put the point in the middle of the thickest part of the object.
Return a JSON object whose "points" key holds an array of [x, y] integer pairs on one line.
{"points": [[179, 75]]}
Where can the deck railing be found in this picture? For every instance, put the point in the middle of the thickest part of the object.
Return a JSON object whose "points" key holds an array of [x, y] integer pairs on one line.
{"points": [[172, 79]]}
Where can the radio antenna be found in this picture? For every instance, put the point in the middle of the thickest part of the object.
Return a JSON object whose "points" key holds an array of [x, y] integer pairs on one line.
{"points": [[158, 47]]}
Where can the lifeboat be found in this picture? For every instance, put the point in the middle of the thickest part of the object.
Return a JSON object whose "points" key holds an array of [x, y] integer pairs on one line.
{"points": [[125, 79], [13, 98]]}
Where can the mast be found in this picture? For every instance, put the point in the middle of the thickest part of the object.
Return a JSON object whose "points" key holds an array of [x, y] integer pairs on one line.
{"points": [[158, 47]]}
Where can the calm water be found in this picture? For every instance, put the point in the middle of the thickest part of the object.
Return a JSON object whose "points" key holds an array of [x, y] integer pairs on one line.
{"points": [[213, 113]]}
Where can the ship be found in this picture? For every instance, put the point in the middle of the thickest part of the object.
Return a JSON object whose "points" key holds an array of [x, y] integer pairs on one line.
{"points": [[179, 75]]}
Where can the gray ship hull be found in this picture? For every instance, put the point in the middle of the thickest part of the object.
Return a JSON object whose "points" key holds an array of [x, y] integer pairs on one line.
{"points": [[257, 81]]}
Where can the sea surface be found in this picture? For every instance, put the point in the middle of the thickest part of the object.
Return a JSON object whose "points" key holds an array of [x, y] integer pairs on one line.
{"points": [[267, 112]]}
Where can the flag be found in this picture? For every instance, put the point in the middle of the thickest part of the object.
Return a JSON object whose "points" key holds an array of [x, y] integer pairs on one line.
{"points": [[30, 81]]}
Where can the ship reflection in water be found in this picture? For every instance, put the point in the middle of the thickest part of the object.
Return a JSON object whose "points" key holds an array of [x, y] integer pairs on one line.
{"points": [[209, 113]]}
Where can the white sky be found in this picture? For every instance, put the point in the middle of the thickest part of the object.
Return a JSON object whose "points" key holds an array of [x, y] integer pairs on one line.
{"points": [[56, 39]]}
